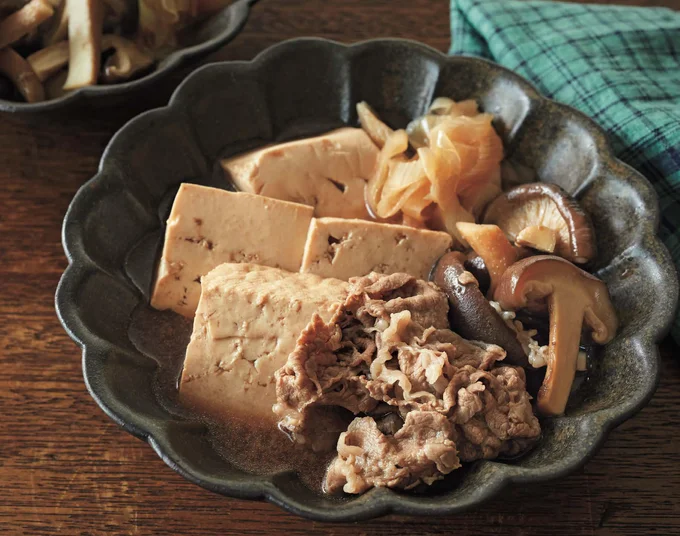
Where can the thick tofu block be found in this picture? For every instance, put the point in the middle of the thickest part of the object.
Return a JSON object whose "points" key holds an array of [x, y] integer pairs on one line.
{"points": [[327, 172], [247, 322], [208, 227], [345, 248]]}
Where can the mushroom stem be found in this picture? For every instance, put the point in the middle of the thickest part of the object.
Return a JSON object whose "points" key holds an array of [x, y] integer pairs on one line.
{"points": [[85, 20], [575, 300], [58, 27], [538, 237], [24, 21], [49, 60], [127, 60], [491, 244], [566, 320], [19, 71]]}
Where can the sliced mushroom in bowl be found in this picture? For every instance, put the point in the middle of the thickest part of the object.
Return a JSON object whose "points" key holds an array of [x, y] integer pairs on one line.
{"points": [[102, 49]]}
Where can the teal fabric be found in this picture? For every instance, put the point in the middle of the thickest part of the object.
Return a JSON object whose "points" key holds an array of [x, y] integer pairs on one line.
{"points": [[619, 65]]}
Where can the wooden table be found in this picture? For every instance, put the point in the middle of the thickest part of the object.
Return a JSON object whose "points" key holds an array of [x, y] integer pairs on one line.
{"points": [[66, 468]]}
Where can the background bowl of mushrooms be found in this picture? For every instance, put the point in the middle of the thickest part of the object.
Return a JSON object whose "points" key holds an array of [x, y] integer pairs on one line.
{"points": [[54, 53]]}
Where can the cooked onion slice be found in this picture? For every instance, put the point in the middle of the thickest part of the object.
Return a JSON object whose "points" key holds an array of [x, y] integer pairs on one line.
{"points": [[419, 130], [480, 152], [404, 177], [374, 127], [396, 144], [440, 163]]}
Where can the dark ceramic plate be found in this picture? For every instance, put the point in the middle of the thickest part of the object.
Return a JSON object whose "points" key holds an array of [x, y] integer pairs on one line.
{"points": [[204, 38], [308, 86]]}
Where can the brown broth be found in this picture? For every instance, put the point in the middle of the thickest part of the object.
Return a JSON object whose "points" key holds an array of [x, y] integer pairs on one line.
{"points": [[164, 336], [267, 451]]}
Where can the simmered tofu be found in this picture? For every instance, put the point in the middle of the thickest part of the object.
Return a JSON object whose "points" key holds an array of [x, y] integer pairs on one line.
{"points": [[247, 322], [208, 227], [345, 248], [327, 172]]}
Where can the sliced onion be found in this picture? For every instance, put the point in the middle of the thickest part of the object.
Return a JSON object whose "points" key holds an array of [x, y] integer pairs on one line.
{"points": [[416, 204], [396, 144], [403, 178], [420, 129], [374, 127], [455, 174], [446, 106], [439, 164]]}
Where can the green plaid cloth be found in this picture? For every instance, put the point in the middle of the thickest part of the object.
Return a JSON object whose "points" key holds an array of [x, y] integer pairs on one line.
{"points": [[620, 65]]}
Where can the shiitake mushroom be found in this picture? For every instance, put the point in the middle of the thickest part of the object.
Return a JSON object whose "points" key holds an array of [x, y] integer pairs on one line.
{"points": [[540, 213], [575, 300], [470, 313], [476, 266]]}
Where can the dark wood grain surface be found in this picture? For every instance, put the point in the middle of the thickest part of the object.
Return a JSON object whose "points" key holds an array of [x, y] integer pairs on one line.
{"points": [[66, 468]]}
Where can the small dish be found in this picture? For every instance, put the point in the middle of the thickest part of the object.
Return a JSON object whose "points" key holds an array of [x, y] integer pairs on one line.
{"points": [[207, 36], [114, 224]]}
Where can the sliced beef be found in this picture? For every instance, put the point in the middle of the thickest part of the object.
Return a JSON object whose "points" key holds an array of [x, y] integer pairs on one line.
{"points": [[427, 361], [493, 414], [324, 369], [377, 296], [388, 354], [421, 451]]}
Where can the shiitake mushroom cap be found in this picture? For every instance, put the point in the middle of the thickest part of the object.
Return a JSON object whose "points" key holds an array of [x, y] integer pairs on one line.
{"points": [[470, 313]]}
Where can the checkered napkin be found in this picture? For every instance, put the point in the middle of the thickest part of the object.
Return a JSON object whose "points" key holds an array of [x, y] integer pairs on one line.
{"points": [[620, 65]]}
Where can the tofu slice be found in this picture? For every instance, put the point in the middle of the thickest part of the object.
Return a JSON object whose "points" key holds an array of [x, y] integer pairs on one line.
{"points": [[208, 227], [327, 172], [345, 248], [247, 322]]}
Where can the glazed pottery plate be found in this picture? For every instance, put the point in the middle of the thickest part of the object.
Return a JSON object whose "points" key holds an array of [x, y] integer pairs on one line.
{"points": [[115, 223], [202, 39]]}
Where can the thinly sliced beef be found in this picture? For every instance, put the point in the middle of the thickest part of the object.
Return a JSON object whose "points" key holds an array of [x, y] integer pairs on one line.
{"points": [[493, 414], [378, 296], [421, 451], [388, 354], [324, 369]]}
